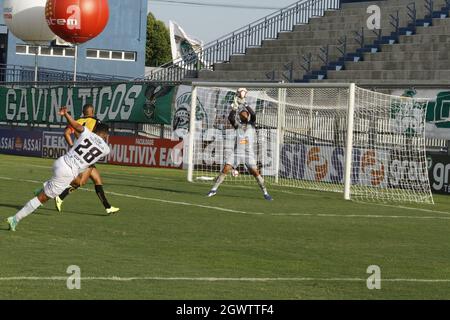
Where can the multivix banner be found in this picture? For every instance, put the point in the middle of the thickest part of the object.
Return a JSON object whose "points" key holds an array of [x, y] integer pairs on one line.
{"points": [[130, 102]]}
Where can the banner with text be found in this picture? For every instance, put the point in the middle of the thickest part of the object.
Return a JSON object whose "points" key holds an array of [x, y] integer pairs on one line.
{"points": [[437, 124], [370, 167], [21, 142], [130, 102], [439, 172], [145, 152]]}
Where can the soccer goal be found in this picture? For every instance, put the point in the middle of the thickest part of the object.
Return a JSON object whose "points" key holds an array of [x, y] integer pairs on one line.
{"points": [[326, 137]]}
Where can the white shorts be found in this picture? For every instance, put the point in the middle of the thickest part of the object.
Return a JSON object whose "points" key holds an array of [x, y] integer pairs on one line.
{"points": [[236, 159], [62, 177]]}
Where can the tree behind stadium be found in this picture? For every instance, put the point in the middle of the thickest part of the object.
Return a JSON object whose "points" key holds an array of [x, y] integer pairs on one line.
{"points": [[157, 50]]}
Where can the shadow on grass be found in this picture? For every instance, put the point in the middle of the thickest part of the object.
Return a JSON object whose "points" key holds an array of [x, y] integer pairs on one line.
{"points": [[84, 213], [156, 188], [2, 205], [4, 226], [200, 193], [50, 211], [38, 211]]}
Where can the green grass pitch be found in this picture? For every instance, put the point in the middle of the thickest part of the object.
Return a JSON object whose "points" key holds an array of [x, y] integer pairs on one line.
{"points": [[171, 242]]}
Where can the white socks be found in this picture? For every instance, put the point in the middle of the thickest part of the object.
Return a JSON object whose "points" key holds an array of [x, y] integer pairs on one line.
{"points": [[28, 209], [260, 181], [219, 181], [222, 176]]}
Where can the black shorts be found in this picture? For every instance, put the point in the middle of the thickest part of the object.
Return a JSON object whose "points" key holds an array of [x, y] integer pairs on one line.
{"points": [[92, 166]]}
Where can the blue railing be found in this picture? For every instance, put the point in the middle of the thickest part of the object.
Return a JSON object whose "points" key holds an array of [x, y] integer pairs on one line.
{"points": [[15, 73], [240, 40]]}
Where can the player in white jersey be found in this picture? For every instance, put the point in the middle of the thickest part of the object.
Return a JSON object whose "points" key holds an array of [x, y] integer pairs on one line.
{"points": [[244, 152], [89, 148], [89, 121]]}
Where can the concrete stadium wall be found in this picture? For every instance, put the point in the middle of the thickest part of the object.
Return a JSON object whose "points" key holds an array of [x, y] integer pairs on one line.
{"points": [[126, 31]]}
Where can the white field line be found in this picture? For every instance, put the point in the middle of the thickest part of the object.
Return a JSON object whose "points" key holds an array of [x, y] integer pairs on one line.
{"points": [[370, 216], [213, 279], [409, 208], [174, 179], [249, 187], [261, 213]]}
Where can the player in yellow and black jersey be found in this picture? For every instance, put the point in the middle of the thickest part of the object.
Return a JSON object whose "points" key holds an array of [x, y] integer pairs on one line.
{"points": [[86, 121], [89, 121]]}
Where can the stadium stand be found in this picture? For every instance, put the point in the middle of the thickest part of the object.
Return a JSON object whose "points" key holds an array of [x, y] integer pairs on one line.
{"points": [[336, 45]]}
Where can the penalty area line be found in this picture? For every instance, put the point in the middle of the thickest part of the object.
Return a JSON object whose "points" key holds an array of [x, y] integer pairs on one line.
{"points": [[410, 208], [277, 214]]}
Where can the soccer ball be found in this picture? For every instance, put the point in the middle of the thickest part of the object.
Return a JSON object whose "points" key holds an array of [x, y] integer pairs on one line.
{"points": [[234, 173]]}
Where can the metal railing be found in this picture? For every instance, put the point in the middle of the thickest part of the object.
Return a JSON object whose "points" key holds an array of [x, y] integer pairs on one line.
{"points": [[15, 73], [240, 40], [412, 14], [429, 6], [306, 63]]}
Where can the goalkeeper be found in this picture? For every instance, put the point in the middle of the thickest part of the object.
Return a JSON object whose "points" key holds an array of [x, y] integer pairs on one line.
{"points": [[243, 120]]}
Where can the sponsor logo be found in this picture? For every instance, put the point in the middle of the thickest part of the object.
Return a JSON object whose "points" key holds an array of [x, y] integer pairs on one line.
{"points": [[439, 173], [441, 176], [32, 145], [7, 143], [372, 169], [21, 142], [152, 93], [145, 152], [317, 163], [54, 145], [63, 22], [18, 144], [73, 22], [404, 172]]}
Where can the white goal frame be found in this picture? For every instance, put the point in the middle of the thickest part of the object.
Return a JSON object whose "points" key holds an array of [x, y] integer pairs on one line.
{"points": [[353, 93], [281, 94]]}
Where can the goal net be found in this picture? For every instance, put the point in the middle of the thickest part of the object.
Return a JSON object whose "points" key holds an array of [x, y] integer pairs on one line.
{"points": [[327, 137]]}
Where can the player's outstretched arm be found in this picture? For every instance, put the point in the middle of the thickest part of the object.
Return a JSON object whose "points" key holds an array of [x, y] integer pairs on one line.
{"points": [[252, 114], [68, 137], [232, 118], [75, 125]]}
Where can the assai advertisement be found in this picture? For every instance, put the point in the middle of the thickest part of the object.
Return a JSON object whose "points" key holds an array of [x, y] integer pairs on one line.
{"points": [[21, 142]]}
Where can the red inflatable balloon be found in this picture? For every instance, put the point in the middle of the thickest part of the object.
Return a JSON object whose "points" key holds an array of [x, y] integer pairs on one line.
{"points": [[77, 21]]}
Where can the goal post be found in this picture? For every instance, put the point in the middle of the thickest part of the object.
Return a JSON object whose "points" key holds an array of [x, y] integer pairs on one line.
{"points": [[280, 128], [333, 137], [192, 133], [349, 144]]}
